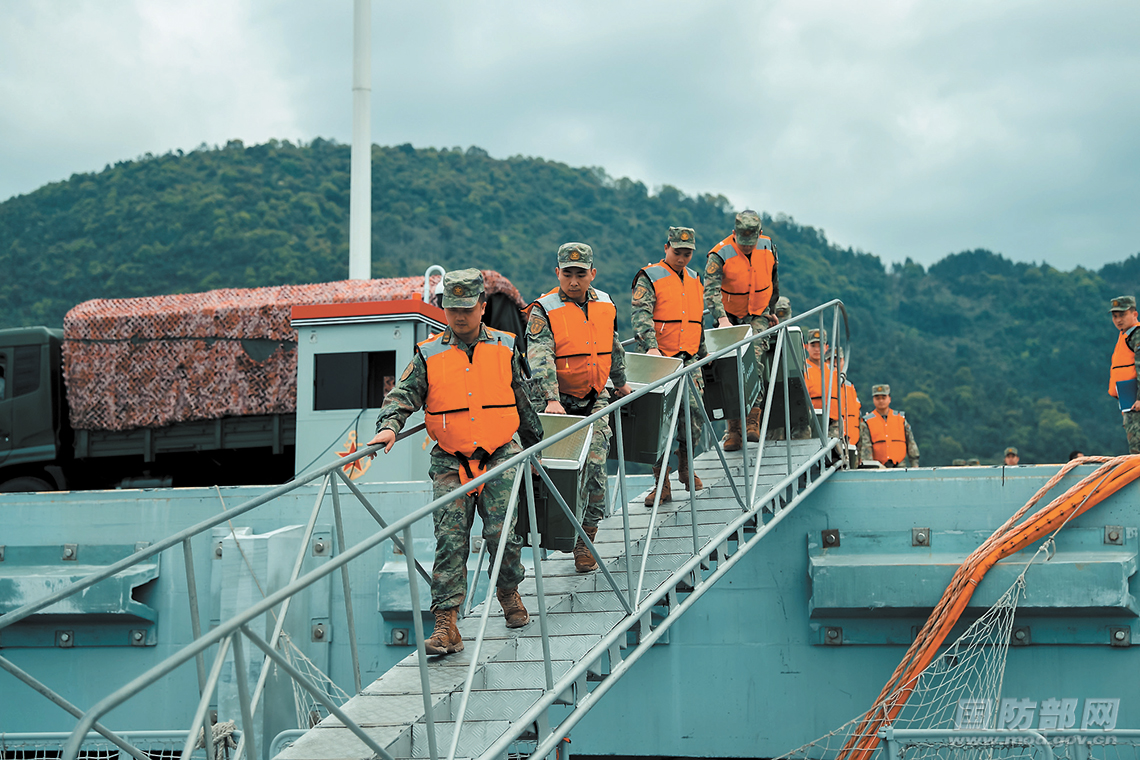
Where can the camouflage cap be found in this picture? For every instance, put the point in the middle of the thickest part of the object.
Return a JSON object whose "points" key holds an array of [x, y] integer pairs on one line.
{"points": [[747, 230], [881, 390], [1011, 450], [575, 255], [783, 306], [1122, 303], [959, 463], [682, 237], [813, 335], [973, 462], [462, 288]]}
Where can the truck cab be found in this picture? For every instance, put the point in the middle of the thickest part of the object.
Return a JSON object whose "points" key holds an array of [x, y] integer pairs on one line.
{"points": [[32, 411]]}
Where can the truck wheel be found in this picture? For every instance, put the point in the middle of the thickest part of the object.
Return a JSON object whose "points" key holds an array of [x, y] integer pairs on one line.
{"points": [[25, 483]]}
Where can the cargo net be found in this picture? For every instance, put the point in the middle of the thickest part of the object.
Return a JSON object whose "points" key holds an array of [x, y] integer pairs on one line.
{"points": [[958, 689], [151, 362], [49, 746]]}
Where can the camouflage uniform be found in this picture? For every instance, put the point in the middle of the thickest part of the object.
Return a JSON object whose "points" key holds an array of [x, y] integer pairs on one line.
{"points": [[866, 450], [645, 338], [453, 521], [747, 227], [540, 352]]}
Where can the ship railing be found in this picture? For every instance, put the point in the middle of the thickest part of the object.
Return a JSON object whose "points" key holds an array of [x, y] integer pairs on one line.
{"points": [[1050, 743], [697, 573]]}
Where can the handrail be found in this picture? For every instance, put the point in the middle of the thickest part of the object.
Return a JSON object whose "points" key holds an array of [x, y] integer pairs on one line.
{"points": [[234, 629]]}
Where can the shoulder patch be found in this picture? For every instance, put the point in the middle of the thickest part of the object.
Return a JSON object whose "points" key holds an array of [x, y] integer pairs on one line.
{"points": [[640, 292], [407, 371], [536, 324], [712, 267]]}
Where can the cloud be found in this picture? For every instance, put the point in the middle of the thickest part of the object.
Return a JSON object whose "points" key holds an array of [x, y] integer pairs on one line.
{"points": [[903, 128]]}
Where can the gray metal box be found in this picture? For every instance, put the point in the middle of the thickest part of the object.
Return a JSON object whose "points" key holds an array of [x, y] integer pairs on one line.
{"points": [[565, 463], [800, 406], [645, 421], [722, 388]]}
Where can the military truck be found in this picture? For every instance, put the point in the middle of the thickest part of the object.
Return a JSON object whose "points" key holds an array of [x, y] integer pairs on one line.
{"points": [[41, 451]]}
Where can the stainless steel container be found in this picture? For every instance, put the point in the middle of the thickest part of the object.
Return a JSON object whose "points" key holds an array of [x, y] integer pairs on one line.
{"points": [[645, 421], [565, 463]]}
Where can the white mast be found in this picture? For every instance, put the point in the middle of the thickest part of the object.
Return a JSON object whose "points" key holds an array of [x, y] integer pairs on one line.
{"points": [[360, 202]]}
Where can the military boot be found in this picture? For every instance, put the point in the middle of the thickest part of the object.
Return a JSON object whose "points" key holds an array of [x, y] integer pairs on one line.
{"points": [[683, 470], [754, 425], [513, 609], [666, 493], [446, 638], [584, 560], [732, 440]]}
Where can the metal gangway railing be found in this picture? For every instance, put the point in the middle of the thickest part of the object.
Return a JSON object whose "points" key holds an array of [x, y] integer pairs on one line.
{"points": [[758, 515]]}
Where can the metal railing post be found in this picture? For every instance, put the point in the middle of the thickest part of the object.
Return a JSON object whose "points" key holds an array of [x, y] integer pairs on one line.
{"points": [[538, 589], [199, 720], [656, 503], [743, 412], [195, 618], [767, 414], [346, 584], [421, 648], [624, 506], [248, 740], [500, 550], [788, 406], [689, 468], [470, 601]]}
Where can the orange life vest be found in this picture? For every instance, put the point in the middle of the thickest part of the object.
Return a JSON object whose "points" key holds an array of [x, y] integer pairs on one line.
{"points": [[813, 379], [583, 348], [888, 436], [746, 287], [851, 412], [679, 310], [470, 406], [1123, 364]]}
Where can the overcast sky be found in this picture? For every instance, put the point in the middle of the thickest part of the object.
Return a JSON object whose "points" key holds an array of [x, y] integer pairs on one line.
{"points": [[901, 128]]}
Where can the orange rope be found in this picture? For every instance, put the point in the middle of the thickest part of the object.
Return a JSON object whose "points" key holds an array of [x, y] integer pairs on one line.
{"points": [[1110, 477]]}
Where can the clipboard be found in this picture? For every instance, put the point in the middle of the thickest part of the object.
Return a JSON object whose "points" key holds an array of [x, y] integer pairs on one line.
{"points": [[1126, 394]]}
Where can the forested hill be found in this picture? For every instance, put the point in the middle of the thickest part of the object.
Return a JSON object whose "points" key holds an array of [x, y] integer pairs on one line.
{"points": [[980, 352]]}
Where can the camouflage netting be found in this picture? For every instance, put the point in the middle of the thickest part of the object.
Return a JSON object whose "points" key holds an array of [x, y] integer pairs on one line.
{"points": [[150, 362]]}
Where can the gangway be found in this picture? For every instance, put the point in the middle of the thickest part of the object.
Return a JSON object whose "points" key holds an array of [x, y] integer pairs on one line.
{"points": [[592, 639], [509, 691]]}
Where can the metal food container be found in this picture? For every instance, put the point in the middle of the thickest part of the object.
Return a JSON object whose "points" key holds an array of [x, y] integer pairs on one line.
{"points": [[800, 406], [645, 421], [565, 463], [722, 388]]}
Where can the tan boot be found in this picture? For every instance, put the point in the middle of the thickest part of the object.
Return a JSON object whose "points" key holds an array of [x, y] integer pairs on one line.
{"points": [[513, 609], [666, 492], [754, 425], [446, 638], [732, 440], [584, 560], [683, 470]]}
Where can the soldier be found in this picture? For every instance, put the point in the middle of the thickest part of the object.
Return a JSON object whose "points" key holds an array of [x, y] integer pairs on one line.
{"points": [[1125, 364], [668, 304], [1011, 457], [885, 435], [458, 378], [815, 369], [741, 288], [573, 347], [782, 309]]}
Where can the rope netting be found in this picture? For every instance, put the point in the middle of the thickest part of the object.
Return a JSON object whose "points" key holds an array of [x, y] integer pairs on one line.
{"points": [[154, 361], [959, 686]]}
